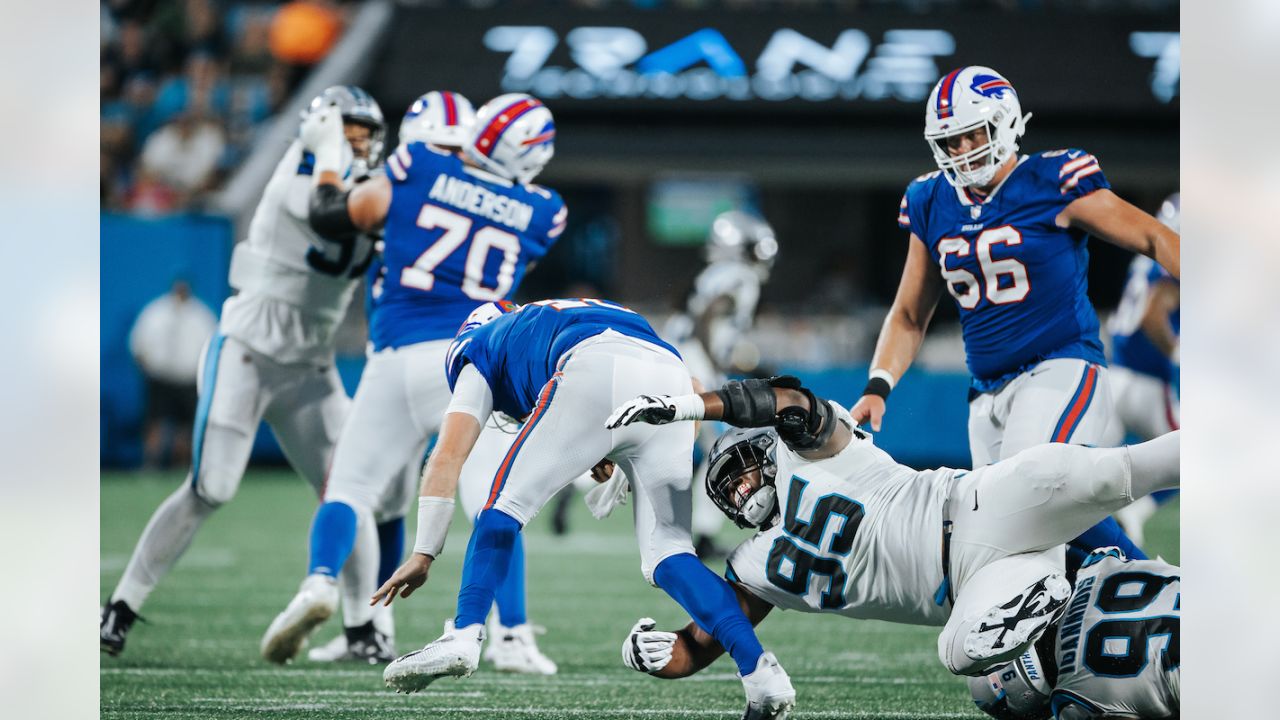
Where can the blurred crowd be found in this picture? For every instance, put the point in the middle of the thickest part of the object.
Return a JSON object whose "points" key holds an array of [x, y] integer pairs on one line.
{"points": [[186, 84]]}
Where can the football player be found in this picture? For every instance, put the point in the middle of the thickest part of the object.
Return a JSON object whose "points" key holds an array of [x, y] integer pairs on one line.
{"points": [[1144, 366], [561, 366], [845, 529], [461, 230], [1116, 653], [718, 312], [272, 355], [1006, 236]]}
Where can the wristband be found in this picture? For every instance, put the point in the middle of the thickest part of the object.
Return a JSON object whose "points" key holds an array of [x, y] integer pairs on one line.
{"points": [[880, 384], [688, 407], [434, 516]]}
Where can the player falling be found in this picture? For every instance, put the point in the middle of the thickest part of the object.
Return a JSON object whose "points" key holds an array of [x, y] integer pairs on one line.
{"points": [[463, 222], [1006, 236], [272, 357]]}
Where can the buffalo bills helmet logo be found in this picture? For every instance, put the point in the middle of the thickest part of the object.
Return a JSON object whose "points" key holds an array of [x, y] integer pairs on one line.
{"points": [[992, 86]]}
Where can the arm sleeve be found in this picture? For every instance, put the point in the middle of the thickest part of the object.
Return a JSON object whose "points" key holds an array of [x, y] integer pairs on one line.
{"points": [[471, 395]]}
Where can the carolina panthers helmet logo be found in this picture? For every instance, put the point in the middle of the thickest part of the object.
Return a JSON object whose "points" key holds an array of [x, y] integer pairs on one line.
{"points": [[991, 86]]}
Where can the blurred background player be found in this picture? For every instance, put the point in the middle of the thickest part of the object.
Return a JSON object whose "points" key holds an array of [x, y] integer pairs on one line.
{"points": [[461, 229], [166, 341], [1144, 361], [714, 323], [1116, 652], [272, 357], [562, 365], [1006, 236]]}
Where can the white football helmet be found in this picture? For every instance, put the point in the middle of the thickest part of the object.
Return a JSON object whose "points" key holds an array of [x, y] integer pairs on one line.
{"points": [[736, 235], [1018, 690], [514, 137], [967, 99], [1171, 212], [440, 118]]}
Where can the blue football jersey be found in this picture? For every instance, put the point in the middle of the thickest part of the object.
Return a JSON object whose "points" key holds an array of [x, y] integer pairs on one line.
{"points": [[455, 238], [1130, 347], [1020, 281], [517, 353]]}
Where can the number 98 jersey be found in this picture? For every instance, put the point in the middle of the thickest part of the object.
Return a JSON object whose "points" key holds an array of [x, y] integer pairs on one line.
{"points": [[1019, 281], [456, 237], [1118, 643]]}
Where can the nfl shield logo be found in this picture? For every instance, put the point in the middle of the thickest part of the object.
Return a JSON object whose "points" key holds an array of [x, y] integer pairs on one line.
{"points": [[975, 211]]}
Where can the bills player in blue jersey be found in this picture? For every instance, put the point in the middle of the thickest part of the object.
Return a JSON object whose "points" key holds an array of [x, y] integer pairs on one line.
{"points": [[1006, 236], [462, 223], [1144, 360], [561, 366]]}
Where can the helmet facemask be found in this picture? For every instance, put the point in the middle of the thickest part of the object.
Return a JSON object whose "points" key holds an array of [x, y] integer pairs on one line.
{"points": [[740, 480], [978, 166]]}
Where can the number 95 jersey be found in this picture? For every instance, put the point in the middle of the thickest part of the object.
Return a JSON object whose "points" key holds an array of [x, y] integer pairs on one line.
{"points": [[456, 237], [1118, 643], [859, 535], [1019, 281]]}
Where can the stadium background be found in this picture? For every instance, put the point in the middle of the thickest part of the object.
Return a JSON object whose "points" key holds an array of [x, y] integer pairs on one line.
{"points": [[822, 148]]}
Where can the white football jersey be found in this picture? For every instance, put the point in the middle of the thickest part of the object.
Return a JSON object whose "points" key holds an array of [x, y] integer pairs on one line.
{"points": [[737, 280], [294, 286], [859, 535], [1118, 644]]}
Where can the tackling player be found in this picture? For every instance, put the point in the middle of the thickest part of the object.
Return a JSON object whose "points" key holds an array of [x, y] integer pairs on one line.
{"points": [[272, 355], [1006, 236], [1144, 366], [461, 230], [1116, 653], [562, 365], [845, 529], [719, 311]]}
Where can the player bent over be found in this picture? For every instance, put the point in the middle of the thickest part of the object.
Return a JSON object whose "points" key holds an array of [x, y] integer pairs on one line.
{"points": [[1115, 653], [979, 553], [562, 365]]}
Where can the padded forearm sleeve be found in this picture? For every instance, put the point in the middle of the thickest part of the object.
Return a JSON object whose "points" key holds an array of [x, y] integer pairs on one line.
{"points": [[327, 212], [748, 403], [802, 429]]}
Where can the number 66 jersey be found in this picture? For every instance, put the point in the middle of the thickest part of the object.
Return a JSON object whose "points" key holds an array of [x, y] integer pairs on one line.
{"points": [[1118, 643], [1019, 280]]}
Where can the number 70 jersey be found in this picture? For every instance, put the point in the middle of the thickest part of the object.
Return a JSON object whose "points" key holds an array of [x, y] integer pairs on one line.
{"points": [[455, 238]]}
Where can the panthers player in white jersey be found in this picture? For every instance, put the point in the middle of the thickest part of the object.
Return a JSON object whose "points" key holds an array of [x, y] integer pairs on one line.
{"points": [[845, 529], [271, 358], [463, 222], [1116, 652], [719, 311]]}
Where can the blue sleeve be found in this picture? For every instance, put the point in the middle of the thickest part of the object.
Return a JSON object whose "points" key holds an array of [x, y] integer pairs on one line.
{"points": [[1074, 172], [552, 217], [410, 162]]}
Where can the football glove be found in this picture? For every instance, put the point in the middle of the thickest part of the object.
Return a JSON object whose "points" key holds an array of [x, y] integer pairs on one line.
{"points": [[321, 135], [646, 649], [656, 410]]}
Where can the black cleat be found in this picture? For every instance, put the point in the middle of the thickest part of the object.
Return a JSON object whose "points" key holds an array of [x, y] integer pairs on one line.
{"points": [[117, 618], [365, 644]]}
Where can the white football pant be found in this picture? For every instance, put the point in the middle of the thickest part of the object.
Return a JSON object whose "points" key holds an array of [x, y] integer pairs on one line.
{"points": [[1145, 406]]}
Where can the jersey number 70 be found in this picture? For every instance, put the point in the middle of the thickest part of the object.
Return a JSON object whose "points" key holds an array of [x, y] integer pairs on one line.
{"points": [[457, 229]]}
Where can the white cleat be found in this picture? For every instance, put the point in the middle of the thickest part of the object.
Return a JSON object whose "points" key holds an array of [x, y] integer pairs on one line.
{"points": [[456, 654], [769, 692], [513, 649], [1004, 632], [315, 602]]}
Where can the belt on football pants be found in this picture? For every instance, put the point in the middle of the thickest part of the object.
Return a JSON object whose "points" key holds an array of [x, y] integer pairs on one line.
{"points": [[944, 592]]}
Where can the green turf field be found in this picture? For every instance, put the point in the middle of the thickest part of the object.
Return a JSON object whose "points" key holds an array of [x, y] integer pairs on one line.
{"points": [[197, 656]]}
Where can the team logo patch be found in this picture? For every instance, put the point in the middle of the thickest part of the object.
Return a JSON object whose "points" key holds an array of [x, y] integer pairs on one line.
{"points": [[990, 86]]}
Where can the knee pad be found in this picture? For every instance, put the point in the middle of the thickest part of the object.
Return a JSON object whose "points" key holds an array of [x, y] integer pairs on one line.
{"points": [[362, 500], [214, 486], [1099, 476]]}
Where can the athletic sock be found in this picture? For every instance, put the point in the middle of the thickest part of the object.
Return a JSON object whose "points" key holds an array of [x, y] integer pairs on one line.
{"points": [[485, 567], [333, 533], [1154, 464], [1106, 534], [713, 606], [168, 534], [390, 547], [511, 593]]}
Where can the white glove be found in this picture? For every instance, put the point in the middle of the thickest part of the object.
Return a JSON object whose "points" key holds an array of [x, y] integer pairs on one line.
{"points": [[646, 649], [322, 136], [657, 410], [605, 496]]}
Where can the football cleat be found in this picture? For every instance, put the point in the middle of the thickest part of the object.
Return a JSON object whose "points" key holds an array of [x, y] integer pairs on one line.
{"points": [[363, 644], [769, 692], [1005, 631], [315, 602], [117, 618], [455, 654], [513, 649]]}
